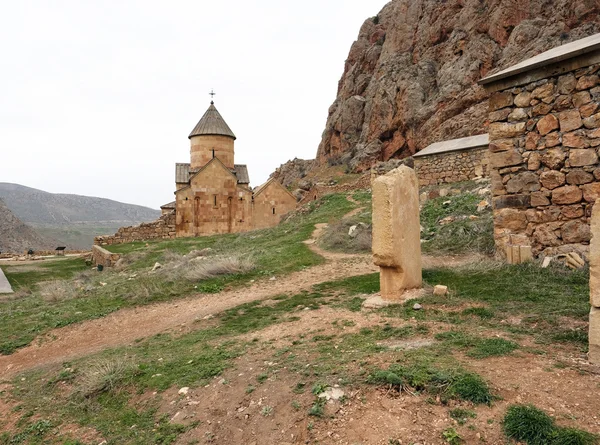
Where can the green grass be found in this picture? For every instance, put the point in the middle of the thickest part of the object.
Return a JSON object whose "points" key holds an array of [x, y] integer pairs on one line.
{"points": [[462, 415], [477, 347], [461, 235], [449, 382], [276, 251], [531, 425]]}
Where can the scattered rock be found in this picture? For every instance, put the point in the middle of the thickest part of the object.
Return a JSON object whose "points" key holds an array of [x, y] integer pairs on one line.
{"points": [[183, 391], [440, 290], [157, 266], [447, 220], [546, 262], [483, 205], [332, 394], [417, 307], [272, 279]]}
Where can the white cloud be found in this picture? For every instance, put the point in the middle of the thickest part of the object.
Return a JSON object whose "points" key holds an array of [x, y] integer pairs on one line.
{"points": [[98, 97]]}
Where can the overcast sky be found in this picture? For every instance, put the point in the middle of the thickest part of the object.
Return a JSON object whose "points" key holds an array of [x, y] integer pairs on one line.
{"points": [[98, 97]]}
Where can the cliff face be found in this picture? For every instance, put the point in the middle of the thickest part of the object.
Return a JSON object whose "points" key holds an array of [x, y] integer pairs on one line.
{"points": [[16, 237], [410, 78]]}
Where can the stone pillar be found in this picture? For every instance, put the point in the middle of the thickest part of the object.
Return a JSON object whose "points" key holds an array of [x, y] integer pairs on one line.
{"points": [[396, 232], [594, 329]]}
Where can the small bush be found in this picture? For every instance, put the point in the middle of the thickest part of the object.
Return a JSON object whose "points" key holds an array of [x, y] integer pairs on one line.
{"points": [[528, 424], [450, 383], [202, 270], [573, 436], [462, 415], [102, 376], [336, 237], [57, 290]]}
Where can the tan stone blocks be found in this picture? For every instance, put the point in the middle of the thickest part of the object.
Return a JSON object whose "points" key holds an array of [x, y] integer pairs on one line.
{"points": [[568, 194], [396, 232], [582, 157], [505, 159], [552, 179], [547, 124], [499, 130], [500, 100], [594, 336], [569, 120]]}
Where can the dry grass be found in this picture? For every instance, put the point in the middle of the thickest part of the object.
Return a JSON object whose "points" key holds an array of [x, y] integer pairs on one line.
{"points": [[101, 376], [336, 237], [57, 290], [204, 269]]}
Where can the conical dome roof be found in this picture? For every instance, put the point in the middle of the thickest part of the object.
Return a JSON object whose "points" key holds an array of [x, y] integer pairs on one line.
{"points": [[212, 123]]}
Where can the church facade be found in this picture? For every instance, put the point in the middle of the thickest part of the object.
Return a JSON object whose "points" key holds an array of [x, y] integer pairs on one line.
{"points": [[213, 193]]}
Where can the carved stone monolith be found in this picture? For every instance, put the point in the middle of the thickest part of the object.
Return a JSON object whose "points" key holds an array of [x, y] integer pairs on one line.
{"points": [[594, 329], [396, 232]]}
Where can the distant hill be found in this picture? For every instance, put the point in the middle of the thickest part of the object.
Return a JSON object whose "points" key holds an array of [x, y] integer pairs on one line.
{"points": [[73, 220], [16, 236]]}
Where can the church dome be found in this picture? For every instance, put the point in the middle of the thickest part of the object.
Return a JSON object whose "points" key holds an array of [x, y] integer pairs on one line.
{"points": [[212, 123]]}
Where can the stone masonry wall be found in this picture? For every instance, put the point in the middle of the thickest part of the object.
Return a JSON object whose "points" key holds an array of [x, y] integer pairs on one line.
{"points": [[162, 228], [544, 141], [104, 257], [454, 166]]}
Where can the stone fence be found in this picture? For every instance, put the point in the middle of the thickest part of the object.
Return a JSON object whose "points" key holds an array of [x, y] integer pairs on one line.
{"points": [[162, 228], [453, 161], [103, 257]]}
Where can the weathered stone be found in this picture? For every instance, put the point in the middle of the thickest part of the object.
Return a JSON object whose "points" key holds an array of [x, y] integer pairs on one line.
{"points": [[440, 290], [501, 145], [541, 109], [568, 194], [575, 231], [531, 140], [588, 109], [396, 231], [546, 236], [523, 99], [518, 254], [548, 214], [571, 212], [591, 192], [534, 162], [552, 139], [563, 102], [543, 91], [512, 201], [575, 139], [511, 219], [500, 100], [578, 177], [593, 134], [523, 182], [593, 121], [554, 158], [505, 159], [547, 124], [587, 82], [566, 84], [595, 259], [594, 332], [579, 158], [570, 120], [552, 179], [499, 115], [518, 114], [581, 98], [499, 130], [539, 199]]}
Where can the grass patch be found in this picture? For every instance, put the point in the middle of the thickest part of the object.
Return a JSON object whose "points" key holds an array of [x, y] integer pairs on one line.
{"points": [[448, 383], [477, 347], [531, 425], [462, 415]]}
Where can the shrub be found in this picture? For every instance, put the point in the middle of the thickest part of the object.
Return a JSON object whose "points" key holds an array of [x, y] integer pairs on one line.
{"points": [[102, 376], [528, 424], [57, 290], [204, 269]]}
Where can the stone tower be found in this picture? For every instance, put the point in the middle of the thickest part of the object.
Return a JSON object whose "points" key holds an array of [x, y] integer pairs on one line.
{"points": [[211, 138]]}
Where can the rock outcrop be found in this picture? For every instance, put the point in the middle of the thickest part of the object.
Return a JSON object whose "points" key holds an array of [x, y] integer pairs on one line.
{"points": [[410, 78], [16, 236]]}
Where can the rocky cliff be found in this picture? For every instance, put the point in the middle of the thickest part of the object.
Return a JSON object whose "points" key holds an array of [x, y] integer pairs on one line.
{"points": [[410, 78], [17, 237]]}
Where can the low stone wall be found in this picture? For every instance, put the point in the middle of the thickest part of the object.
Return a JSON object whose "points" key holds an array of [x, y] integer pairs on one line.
{"points": [[162, 228], [103, 257], [544, 144], [454, 166]]}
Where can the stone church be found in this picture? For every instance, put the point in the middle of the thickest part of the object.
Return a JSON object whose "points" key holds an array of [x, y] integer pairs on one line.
{"points": [[213, 193]]}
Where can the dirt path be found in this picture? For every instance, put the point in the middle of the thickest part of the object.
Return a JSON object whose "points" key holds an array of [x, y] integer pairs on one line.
{"points": [[127, 325]]}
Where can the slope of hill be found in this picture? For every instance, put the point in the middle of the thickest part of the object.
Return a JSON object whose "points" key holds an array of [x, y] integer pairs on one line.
{"points": [[16, 237], [73, 220], [410, 77]]}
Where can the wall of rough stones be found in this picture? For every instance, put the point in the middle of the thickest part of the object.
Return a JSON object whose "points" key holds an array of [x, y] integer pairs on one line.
{"points": [[101, 256], [545, 174], [454, 166], [162, 228]]}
